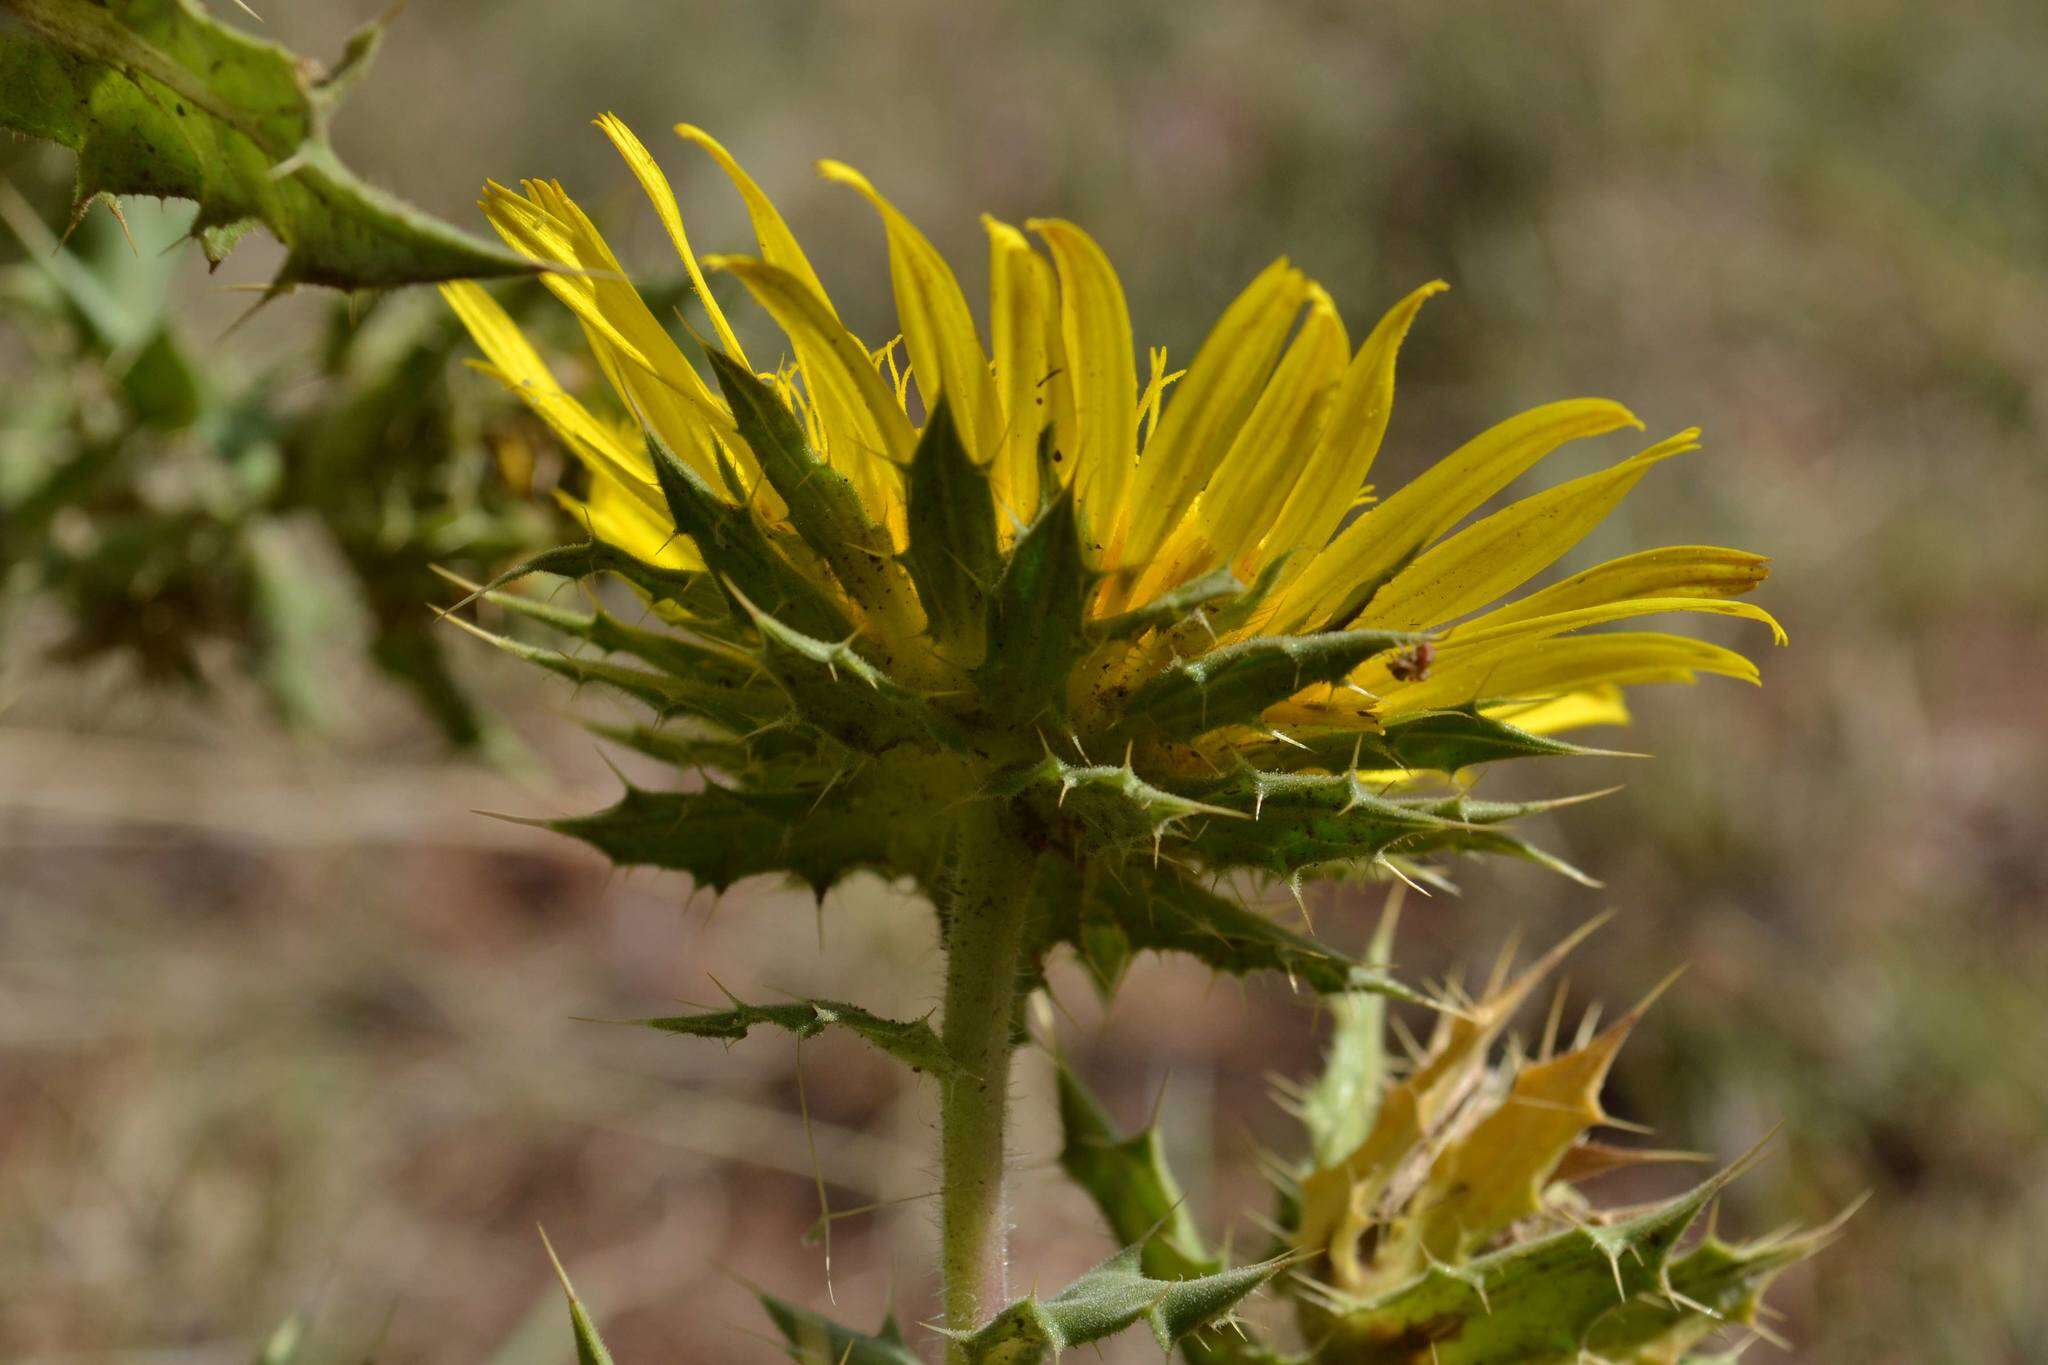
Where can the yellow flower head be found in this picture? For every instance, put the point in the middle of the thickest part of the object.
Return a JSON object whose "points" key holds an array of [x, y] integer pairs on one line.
{"points": [[1239, 603]]}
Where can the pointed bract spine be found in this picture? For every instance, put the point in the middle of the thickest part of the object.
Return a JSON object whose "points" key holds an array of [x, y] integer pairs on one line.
{"points": [[952, 555], [1114, 1295], [1035, 614], [739, 551], [910, 1041], [721, 835], [812, 1339], [833, 688], [1234, 684], [823, 505]]}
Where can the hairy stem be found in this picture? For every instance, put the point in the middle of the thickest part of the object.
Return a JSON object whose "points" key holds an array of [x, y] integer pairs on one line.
{"points": [[984, 954]]}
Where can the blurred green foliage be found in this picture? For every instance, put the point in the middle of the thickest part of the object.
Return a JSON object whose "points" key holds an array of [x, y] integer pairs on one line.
{"points": [[170, 496], [157, 97]]}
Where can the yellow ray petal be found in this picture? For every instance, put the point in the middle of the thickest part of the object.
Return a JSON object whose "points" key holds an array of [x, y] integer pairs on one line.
{"points": [[1023, 314], [945, 352], [1211, 405], [651, 179], [1493, 557], [777, 243], [1346, 574], [1095, 327], [1350, 439], [545, 224], [613, 513], [515, 364], [1674, 571], [1548, 667], [1269, 454], [1483, 632], [868, 433], [1468, 660], [637, 354], [1232, 514], [1602, 705]]}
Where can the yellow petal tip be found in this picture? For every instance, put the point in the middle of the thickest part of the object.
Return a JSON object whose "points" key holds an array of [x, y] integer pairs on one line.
{"points": [[842, 174]]}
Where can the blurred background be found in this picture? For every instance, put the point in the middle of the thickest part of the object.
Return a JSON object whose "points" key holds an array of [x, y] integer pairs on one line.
{"points": [[285, 1027]]}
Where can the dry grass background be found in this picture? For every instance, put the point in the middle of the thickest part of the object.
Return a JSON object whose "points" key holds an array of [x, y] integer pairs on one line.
{"points": [[283, 1025]]}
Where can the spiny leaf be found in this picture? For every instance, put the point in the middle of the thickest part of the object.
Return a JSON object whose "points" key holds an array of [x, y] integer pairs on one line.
{"points": [[734, 706], [910, 1041], [1725, 1280], [666, 650], [1109, 1298], [1501, 845], [823, 506], [1035, 614], [1534, 1301], [696, 592], [1112, 805], [720, 835], [1445, 741], [1170, 607], [1128, 1178], [844, 695], [1159, 908], [1233, 684], [590, 1349], [816, 1340], [686, 745], [1436, 741], [1471, 810], [952, 556], [159, 99], [1303, 821], [740, 552]]}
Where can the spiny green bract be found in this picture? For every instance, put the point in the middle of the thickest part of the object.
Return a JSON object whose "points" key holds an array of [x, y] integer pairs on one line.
{"points": [[842, 703]]}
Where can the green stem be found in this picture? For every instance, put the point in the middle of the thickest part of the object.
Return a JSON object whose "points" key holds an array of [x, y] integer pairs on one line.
{"points": [[984, 957]]}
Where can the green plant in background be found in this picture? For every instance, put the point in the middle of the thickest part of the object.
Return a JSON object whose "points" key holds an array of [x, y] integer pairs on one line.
{"points": [[1068, 655], [151, 493], [164, 503], [159, 99]]}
